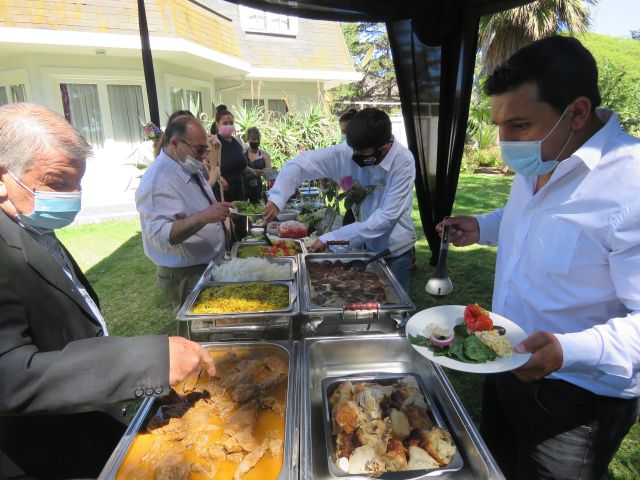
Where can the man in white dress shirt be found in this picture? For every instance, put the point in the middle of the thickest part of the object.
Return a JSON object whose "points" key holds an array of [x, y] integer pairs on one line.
{"points": [[181, 220], [372, 158], [568, 267]]}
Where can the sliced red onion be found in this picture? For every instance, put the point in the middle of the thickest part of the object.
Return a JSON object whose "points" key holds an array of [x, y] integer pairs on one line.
{"points": [[442, 341]]}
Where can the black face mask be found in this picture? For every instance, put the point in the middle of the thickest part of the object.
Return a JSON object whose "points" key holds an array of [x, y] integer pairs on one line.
{"points": [[368, 160], [254, 145]]}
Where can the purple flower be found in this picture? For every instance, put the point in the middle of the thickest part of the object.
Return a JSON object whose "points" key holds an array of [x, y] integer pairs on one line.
{"points": [[346, 183]]}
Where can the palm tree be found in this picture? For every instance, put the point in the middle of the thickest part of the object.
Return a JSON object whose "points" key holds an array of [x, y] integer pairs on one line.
{"points": [[502, 34]]}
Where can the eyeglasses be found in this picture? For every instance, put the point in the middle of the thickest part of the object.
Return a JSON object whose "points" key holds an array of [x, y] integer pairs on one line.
{"points": [[199, 150]]}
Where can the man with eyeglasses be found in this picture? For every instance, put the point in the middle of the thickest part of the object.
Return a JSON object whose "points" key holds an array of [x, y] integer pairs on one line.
{"points": [[182, 222]]}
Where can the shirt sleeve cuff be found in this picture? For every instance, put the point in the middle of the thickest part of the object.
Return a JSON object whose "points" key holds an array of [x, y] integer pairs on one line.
{"points": [[487, 234], [278, 201], [580, 350]]}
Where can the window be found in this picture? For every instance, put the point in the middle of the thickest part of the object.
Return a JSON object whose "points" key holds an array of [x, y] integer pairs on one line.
{"points": [[12, 94], [275, 107], [82, 110], [185, 99], [127, 110], [260, 21]]}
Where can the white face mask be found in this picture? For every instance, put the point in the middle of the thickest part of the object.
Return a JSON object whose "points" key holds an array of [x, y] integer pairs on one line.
{"points": [[525, 157], [191, 164]]}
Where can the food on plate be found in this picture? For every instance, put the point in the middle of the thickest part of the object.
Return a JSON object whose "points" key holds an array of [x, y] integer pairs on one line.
{"points": [[200, 430], [373, 434], [280, 248], [241, 298], [245, 207], [250, 269], [333, 286], [477, 318], [292, 229], [476, 340]]}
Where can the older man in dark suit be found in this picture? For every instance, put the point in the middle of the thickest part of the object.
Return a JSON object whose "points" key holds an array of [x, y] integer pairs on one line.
{"points": [[62, 378]]}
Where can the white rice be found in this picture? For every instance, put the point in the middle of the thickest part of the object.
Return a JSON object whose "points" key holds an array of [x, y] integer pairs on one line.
{"points": [[250, 269]]}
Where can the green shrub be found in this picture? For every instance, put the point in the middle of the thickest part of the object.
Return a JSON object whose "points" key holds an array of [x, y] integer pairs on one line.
{"points": [[474, 158]]}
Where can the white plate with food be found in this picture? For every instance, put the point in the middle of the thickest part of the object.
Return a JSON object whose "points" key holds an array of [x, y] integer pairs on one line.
{"points": [[431, 333]]}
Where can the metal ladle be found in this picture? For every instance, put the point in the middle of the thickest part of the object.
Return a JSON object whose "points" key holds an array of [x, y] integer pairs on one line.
{"points": [[439, 285]]}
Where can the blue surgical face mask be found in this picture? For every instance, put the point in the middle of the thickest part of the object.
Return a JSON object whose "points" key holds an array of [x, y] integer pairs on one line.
{"points": [[525, 157], [51, 210]]}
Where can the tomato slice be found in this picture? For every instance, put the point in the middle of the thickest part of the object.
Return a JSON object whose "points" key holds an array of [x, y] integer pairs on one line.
{"points": [[477, 318]]}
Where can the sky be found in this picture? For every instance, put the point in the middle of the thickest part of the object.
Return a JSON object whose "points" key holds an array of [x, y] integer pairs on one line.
{"points": [[616, 17]]}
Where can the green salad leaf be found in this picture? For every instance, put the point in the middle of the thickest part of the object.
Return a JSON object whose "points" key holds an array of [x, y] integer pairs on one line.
{"points": [[466, 347]]}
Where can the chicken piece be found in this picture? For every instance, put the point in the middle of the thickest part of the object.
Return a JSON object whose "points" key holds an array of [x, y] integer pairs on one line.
{"points": [[244, 392], [396, 456], [365, 460], [345, 445], [400, 427], [208, 471], [238, 378], [274, 443], [343, 392], [253, 366], [272, 380], [346, 417], [240, 442], [212, 452], [417, 437], [418, 417], [421, 460], [226, 364], [342, 463], [440, 446], [369, 399], [375, 434], [173, 431], [277, 364], [243, 419], [250, 460], [267, 402], [235, 457]]}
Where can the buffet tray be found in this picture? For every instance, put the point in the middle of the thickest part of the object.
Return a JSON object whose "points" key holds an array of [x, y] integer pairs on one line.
{"points": [[290, 459], [289, 261], [240, 245], [327, 357], [206, 327], [329, 385]]}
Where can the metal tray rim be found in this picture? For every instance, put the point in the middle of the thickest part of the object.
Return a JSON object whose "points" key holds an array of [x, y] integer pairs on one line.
{"points": [[453, 466], [291, 261]]}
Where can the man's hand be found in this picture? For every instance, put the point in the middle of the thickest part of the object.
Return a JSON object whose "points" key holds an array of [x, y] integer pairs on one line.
{"points": [[216, 212], [546, 356], [465, 230], [184, 357], [270, 212], [316, 247]]}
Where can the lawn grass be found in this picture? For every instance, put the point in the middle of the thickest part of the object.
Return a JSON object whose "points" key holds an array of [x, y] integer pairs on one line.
{"points": [[111, 255]]}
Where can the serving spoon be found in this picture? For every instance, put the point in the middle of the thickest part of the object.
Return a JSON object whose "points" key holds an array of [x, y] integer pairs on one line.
{"points": [[439, 285], [361, 265]]}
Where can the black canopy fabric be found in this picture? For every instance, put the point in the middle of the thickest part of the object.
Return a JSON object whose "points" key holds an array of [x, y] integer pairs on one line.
{"points": [[433, 43]]}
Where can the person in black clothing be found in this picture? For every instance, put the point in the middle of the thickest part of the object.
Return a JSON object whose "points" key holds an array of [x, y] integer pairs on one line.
{"points": [[233, 164], [258, 160]]}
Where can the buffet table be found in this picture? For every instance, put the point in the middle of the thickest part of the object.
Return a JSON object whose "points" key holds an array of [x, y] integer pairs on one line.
{"points": [[326, 331]]}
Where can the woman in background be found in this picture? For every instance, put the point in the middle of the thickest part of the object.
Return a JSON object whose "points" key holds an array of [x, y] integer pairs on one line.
{"points": [[233, 164], [258, 160]]}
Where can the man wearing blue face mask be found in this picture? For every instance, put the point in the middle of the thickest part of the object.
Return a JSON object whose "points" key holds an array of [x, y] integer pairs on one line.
{"points": [[372, 158], [568, 267], [63, 379]]}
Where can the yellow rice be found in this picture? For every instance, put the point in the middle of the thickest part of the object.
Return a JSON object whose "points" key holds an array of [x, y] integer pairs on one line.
{"points": [[253, 297], [496, 342]]}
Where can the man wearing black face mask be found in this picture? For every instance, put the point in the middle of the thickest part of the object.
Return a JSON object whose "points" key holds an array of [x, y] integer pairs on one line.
{"points": [[371, 161]]}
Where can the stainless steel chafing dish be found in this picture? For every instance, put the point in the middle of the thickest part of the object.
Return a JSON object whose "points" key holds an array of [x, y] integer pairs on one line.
{"points": [[357, 317], [241, 245], [209, 326], [290, 461], [291, 262], [328, 357]]}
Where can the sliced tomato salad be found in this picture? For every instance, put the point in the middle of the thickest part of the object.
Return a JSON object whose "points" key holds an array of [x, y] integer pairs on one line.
{"points": [[477, 318]]}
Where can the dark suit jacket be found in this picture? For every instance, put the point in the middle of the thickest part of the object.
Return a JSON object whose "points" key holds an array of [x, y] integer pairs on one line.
{"points": [[58, 374]]}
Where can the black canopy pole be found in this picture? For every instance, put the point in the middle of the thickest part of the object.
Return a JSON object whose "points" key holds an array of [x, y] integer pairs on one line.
{"points": [[147, 63]]}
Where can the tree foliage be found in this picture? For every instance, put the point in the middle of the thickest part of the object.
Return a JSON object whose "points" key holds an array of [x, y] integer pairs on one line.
{"points": [[504, 33], [369, 46]]}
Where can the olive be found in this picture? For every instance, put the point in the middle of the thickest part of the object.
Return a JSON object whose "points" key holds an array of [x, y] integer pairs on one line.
{"points": [[499, 329]]}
